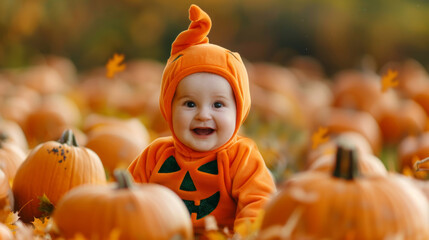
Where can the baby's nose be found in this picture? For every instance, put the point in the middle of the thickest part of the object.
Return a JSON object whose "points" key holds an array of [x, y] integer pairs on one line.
{"points": [[203, 114]]}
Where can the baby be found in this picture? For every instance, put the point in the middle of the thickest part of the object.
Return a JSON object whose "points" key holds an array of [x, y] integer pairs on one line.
{"points": [[205, 98]]}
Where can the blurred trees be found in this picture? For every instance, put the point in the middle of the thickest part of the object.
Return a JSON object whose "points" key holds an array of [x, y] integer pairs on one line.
{"points": [[337, 33]]}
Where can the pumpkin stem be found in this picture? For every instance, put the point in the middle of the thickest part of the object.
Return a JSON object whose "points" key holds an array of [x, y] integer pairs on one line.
{"points": [[123, 178], [346, 166], [68, 138], [417, 164], [3, 137]]}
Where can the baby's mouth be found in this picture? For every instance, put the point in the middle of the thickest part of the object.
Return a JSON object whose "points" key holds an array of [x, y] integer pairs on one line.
{"points": [[203, 131]]}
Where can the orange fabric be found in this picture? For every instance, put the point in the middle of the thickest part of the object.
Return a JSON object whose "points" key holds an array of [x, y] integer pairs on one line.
{"points": [[243, 181], [192, 53], [232, 182]]}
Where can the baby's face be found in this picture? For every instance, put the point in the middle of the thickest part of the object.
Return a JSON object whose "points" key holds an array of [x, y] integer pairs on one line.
{"points": [[204, 111]]}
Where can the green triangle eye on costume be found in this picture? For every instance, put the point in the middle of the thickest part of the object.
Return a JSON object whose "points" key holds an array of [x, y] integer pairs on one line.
{"points": [[210, 167], [187, 183], [170, 165]]}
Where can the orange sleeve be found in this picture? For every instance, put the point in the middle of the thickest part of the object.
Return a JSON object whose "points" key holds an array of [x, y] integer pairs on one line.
{"points": [[141, 168], [252, 182]]}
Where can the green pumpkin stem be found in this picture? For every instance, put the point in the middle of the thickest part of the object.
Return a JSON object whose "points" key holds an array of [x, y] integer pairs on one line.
{"points": [[346, 162], [123, 178], [68, 138]]}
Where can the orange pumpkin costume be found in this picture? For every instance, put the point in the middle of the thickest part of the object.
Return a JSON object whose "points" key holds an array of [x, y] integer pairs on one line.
{"points": [[231, 183]]}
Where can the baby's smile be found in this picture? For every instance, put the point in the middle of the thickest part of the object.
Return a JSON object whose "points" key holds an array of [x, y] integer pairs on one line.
{"points": [[203, 131]]}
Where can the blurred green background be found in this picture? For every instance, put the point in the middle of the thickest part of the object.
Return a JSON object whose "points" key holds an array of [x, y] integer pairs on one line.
{"points": [[336, 32]]}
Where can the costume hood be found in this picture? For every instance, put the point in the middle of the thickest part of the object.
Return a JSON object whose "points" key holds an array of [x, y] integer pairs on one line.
{"points": [[191, 53]]}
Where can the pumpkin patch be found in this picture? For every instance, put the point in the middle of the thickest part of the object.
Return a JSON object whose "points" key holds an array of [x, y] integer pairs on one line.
{"points": [[339, 114], [341, 143]]}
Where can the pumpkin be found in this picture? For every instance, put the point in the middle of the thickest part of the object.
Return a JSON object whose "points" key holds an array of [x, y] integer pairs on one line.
{"points": [[135, 211], [412, 76], [116, 141], [339, 120], [53, 168], [18, 103], [406, 118], [55, 114], [422, 98], [13, 133], [361, 91], [346, 205], [6, 197], [275, 92], [144, 77], [411, 149], [11, 156], [64, 66], [42, 78]]}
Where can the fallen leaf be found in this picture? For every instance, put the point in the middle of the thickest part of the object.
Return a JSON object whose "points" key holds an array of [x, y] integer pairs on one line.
{"points": [[45, 206], [11, 219], [215, 236], [388, 80], [319, 137], [114, 65], [40, 225]]}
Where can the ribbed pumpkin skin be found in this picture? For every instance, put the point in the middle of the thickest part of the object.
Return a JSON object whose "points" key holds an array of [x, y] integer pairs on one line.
{"points": [[373, 207], [147, 211], [53, 169]]}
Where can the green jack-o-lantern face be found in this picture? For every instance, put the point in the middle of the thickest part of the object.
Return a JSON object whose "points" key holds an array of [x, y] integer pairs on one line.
{"points": [[206, 204]]}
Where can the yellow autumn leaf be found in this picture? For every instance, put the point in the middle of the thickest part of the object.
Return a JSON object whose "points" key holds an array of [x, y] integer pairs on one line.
{"points": [[388, 80], [215, 236], [244, 228], [319, 137], [114, 65], [40, 225], [11, 219], [247, 228]]}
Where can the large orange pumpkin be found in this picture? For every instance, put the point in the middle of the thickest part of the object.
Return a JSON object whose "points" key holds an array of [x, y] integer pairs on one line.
{"points": [[135, 211], [51, 169], [346, 205]]}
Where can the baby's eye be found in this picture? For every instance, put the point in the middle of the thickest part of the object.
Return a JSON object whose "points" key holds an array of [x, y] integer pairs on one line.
{"points": [[218, 104], [189, 104]]}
